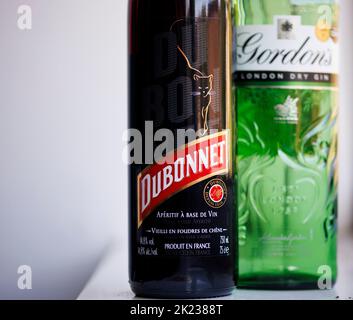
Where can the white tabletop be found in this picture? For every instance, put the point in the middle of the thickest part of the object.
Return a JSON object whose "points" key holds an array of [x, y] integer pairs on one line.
{"points": [[109, 281]]}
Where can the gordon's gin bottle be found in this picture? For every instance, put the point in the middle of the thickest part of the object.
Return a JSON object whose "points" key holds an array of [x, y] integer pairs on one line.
{"points": [[285, 71], [181, 177]]}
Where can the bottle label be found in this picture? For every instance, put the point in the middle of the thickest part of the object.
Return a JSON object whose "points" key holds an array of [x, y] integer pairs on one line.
{"points": [[184, 199], [287, 50], [191, 164], [195, 176], [286, 99]]}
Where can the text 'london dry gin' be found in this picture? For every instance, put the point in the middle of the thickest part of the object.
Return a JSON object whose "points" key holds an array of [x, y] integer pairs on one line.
{"points": [[286, 92], [181, 186]]}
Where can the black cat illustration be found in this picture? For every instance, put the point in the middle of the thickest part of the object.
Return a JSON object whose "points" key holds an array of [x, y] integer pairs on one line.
{"points": [[203, 84]]}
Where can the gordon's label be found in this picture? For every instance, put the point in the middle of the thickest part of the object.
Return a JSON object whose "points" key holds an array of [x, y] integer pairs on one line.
{"points": [[287, 50], [191, 164]]}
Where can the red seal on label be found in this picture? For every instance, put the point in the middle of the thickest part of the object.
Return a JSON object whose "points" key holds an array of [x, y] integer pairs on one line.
{"points": [[215, 193]]}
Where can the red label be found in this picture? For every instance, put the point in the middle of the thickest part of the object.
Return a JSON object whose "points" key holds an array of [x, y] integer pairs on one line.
{"points": [[181, 169]]}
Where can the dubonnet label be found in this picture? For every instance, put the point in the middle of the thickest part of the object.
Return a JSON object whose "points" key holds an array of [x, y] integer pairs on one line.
{"points": [[182, 168]]}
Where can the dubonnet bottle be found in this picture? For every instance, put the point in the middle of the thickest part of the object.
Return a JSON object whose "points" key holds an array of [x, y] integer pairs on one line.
{"points": [[181, 190]]}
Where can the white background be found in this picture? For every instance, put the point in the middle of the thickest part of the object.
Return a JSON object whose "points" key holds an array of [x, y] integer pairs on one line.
{"points": [[63, 108]]}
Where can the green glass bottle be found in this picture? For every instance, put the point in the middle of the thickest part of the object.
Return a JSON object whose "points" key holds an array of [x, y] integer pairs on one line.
{"points": [[285, 75]]}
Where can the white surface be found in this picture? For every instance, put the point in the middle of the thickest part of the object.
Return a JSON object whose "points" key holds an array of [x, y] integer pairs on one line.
{"points": [[63, 98], [109, 281]]}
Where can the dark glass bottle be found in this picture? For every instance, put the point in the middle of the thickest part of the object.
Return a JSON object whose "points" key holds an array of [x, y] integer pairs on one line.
{"points": [[182, 214]]}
